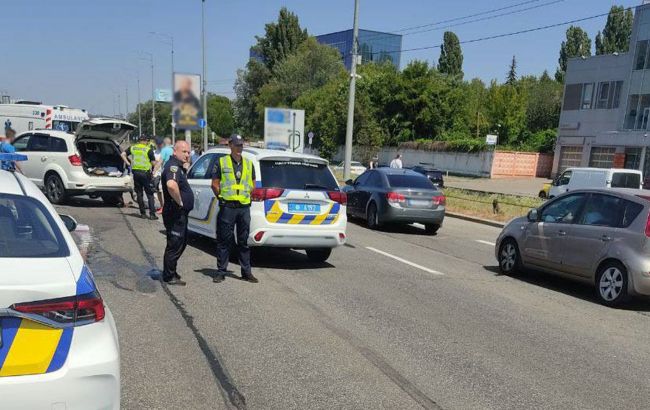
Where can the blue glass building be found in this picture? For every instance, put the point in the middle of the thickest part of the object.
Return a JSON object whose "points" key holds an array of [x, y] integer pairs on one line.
{"points": [[374, 46]]}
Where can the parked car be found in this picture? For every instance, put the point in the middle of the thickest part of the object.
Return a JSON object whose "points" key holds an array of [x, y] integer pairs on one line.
{"points": [[296, 204], [434, 175], [595, 178], [58, 341], [87, 162], [543, 193], [600, 237], [356, 167], [390, 195]]}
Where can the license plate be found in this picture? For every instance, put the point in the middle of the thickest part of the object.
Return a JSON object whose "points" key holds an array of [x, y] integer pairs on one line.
{"points": [[304, 208], [419, 202]]}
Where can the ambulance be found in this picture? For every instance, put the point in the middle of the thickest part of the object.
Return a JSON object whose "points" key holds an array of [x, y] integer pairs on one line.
{"points": [[28, 115]]}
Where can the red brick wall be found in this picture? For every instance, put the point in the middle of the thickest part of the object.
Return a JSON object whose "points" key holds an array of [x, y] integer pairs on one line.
{"points": [[521, 164], [619, 160]]}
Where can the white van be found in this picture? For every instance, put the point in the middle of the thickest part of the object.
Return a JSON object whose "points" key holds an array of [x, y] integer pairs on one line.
{"points": [[595, 178]]}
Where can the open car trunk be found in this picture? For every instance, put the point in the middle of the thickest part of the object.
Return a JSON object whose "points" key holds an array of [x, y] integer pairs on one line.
{"points": [[98, 142]]}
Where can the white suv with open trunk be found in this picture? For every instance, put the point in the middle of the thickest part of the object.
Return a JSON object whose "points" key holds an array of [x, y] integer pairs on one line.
{"points": [[87, 162]]}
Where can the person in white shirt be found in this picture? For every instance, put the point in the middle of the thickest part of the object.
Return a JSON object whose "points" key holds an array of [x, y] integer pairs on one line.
{"points": [[396, 162], [157, 173]]}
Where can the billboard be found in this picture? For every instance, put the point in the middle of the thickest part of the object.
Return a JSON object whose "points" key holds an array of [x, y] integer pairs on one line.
{"points": [[284, 129], [163, 95], [187, 110]]}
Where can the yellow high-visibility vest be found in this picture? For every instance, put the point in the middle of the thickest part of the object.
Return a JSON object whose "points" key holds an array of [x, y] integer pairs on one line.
{"points": [[230, 189]]}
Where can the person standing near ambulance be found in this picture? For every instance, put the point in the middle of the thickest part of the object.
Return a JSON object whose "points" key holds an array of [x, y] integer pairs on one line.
{"points": [[233, 182]]}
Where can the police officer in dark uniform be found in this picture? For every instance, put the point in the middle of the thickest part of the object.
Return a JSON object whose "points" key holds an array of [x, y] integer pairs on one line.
{"points": [[233, 180], [179, 201]]}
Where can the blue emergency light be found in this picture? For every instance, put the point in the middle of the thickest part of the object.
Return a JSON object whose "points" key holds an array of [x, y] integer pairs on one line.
{"points": [[13, 157]]}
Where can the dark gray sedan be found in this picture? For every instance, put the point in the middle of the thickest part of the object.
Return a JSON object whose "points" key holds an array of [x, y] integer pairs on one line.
{"points": [[387, 195]]}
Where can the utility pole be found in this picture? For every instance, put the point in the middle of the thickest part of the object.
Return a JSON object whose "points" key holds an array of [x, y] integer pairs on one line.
{"points": [[353, 84], [126, 110], [203, 91], [478, 118], [139, 113], [171, 43], [153, 100], [119, 106]]}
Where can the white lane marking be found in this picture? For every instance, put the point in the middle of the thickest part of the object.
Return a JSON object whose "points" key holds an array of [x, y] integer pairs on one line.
{"points": [[486, 242], [397, 258]]}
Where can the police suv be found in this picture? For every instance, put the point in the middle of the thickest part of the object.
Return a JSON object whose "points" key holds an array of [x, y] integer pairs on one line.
{"points": [[58, 341], [296, 202]]}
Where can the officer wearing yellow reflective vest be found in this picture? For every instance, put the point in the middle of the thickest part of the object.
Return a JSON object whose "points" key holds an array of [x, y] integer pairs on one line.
{"points": [[233, 182], [143, 160]]}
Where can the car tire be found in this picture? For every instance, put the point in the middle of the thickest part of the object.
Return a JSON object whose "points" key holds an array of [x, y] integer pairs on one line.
{"points": [[372, 217], [509, 257], [54, 189], [611, 284], [112, 199], [431, 229], [318, 254]]}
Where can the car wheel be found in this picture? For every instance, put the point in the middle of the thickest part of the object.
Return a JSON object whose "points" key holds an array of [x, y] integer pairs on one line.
{"points": [[54, 189], [319, 255], [112, 199], [509, 257], [372, 217], [431, 229], [611, 284]]}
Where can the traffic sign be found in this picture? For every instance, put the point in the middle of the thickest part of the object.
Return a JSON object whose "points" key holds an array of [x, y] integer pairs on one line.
{"points": [[202, 123], [491, 139], [311, 137]]}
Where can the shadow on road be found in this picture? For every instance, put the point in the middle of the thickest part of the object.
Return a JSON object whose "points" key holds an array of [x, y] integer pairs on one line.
{"points": [[571, 288], [394, 228]]}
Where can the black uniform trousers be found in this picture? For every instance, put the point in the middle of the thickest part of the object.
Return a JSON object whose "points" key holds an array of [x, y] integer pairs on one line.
{"points": [[226, 220], [176, 229], [142, 182]]}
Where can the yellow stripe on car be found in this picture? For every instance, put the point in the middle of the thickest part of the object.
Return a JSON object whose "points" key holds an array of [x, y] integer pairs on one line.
{"points": [[32, 349], [275, 213], [320, 218], [296, 219]]}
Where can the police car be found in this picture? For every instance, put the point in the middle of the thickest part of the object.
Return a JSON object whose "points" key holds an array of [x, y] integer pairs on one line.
{"points": [[296, 202], [58, 341]]}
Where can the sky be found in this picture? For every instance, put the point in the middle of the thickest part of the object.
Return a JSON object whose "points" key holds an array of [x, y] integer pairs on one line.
{"points": [[90, 54]]}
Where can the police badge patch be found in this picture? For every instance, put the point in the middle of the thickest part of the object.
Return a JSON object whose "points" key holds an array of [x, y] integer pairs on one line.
{"points": [[173, 168]]}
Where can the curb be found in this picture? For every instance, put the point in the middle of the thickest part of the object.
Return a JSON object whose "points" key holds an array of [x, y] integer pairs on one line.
{"points": [[488, 222]]}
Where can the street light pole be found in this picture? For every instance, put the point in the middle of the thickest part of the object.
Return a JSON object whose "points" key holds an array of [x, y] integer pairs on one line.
{"points": [[139, 102], [203, 91], [351, 96], [153, 100], [171, 42]]}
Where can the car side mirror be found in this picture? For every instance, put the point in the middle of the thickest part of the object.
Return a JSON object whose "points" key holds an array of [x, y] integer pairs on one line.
{"points": [[69, 222], [533, 215], [349, 182]]}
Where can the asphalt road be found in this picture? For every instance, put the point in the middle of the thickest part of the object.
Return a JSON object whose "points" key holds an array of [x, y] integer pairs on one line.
{"points": [[395, 320]]}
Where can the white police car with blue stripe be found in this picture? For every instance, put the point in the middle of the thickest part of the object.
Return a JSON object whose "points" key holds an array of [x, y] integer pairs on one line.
{"points": [[58, 341]]}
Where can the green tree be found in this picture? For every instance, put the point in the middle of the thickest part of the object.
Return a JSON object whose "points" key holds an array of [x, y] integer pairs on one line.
{"points": [[220, 115], [512, 72], [451, 55], [507, 112], [577, 44], [247, 88], [615, 38], [281, 39], [163, 119]]}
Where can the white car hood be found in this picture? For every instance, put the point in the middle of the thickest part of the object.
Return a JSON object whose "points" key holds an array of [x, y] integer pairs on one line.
{"points": [[105, 128], [34, 279]]}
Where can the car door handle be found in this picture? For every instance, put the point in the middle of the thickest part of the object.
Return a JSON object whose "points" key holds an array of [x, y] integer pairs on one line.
{"points": [[198, 191], [605, 238], [561, 233], [43, 159]]}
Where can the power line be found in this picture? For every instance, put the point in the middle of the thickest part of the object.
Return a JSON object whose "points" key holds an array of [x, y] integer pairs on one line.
{"points": [[514, 33]]}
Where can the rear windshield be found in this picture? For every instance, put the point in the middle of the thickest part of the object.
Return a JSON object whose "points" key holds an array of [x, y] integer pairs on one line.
{"points": [[409, 181], [27, 230], [296, 174], [435, 174], [626, 180]]}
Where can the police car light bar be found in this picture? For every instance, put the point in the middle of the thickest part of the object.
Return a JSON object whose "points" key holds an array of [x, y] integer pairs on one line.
{"points": [[13, 157]]}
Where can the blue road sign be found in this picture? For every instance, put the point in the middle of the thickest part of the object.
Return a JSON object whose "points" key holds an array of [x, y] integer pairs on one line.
{"points": [[202, 123]]}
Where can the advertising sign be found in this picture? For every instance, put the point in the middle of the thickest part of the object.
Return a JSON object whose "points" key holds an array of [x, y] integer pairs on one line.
{"points": [[163, 95], [187, 110], [491, 139], [284, 129]]}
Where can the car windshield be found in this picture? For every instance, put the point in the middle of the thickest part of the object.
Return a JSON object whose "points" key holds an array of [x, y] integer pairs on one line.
{"points": [[27, 230], [409, 181], [296, 174]]}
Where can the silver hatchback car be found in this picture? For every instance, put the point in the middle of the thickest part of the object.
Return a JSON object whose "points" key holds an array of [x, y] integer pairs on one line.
{"points": [[601, 237]]}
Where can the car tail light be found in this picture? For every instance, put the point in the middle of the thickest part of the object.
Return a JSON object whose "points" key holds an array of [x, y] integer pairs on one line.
{"points": [[394, 197], [258, 236], [439, 200], [647, 227], [75, 160], [341, 236], [74, 310], [337, 196], [261, 194]]}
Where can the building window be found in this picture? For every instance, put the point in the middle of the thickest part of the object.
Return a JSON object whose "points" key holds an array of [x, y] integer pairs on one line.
{"points": [[641, 61], [602, 157], [632, 158], [638, 112], [609, 94], [587, 95], [570, 157], [603, 95], [572, 95]]}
